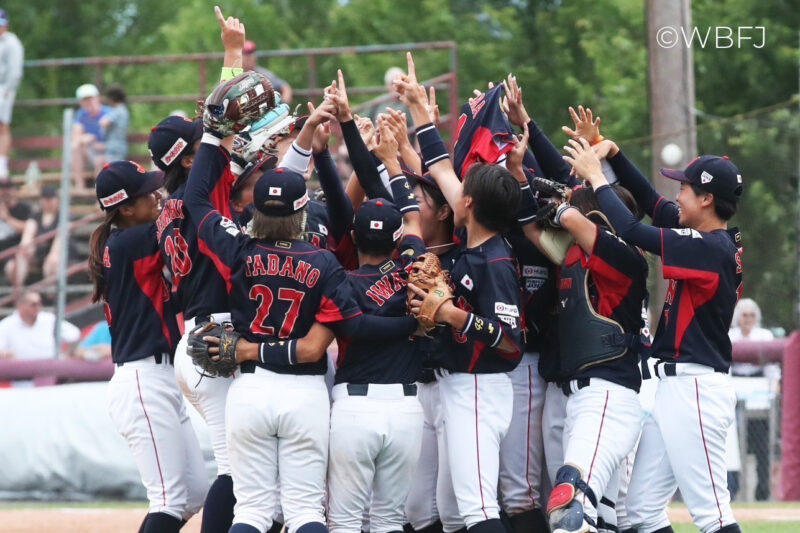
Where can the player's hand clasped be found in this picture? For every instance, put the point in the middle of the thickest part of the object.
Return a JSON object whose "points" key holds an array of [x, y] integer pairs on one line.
{"points": [[428, 290], [212, 347]]}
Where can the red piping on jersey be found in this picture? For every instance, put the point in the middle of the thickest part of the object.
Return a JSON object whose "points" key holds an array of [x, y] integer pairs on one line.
{"points": [[147, 272], [478, 448], [597, 445], [287, 251], [528, 438], [330, 312], [223, 269], [500, 259], [708, 461], [153, 439], [655, 207], [698, 287]]}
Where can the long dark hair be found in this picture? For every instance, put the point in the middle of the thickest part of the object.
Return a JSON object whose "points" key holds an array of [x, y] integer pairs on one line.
{"points": [[97, 246]]}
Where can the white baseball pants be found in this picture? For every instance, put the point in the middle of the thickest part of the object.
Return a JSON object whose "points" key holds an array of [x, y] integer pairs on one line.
{"points": [[147, 409], [375, 443], [477, 411], [554, 414], [683, 446], [278, 423]]}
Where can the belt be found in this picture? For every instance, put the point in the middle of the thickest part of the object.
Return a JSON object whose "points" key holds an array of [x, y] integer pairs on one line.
{"points": [[156, 359], [574, 385], [664, 369], [362, 389], [426, 375], [203, 319]]}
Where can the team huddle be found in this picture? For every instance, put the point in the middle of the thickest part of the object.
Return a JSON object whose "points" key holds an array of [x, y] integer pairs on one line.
{"points": [[488, 309]]}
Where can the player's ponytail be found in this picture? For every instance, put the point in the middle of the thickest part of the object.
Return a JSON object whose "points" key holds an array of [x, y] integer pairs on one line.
{"points": [[97, 245]]}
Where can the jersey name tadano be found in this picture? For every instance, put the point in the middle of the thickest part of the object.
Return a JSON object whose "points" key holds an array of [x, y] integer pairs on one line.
{"points": [[270, 265], [173, 210]]}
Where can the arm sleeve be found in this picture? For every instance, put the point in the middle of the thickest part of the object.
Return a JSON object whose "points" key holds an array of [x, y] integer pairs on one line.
{"points": [[528, 206], [383, 173], [548, 156], [337, 203], [363, 164], [630, 229], [663, 212], [404, 197], [296, 159]]}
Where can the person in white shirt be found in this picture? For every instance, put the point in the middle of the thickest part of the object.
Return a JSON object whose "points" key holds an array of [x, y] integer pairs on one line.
{"points": [[29, 333]]}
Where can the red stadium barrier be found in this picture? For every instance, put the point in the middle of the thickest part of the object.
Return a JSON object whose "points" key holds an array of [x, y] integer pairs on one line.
{"points": [[55, 371], [790, 423]]}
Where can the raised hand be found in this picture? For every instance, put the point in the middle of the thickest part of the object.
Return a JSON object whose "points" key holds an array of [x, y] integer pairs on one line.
{"points": [[367, 130], [398, 125], [411, 92], [322, 134], [514, 160], [386, 149], [585, 162], [432, 108], [586, 125], [233, 32], [337, 91], [512, 103]]}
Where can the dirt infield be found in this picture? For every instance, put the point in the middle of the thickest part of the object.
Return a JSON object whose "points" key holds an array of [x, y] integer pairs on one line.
{"points": [[94, 520]]}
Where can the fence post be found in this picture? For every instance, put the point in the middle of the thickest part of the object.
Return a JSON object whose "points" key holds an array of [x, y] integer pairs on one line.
{"points": [[790, 432], [63, 222]]}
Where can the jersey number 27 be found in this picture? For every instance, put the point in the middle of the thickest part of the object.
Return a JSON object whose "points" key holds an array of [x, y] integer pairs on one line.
{"points": [[263, 295]]}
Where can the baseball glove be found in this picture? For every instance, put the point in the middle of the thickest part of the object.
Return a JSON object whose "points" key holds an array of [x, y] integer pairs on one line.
{"points": [[235, 104], [222, 364], [427, 274], [546, 188]]}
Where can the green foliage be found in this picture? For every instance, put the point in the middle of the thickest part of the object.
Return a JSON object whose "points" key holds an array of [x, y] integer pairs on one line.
{"points": [[563, 53]]}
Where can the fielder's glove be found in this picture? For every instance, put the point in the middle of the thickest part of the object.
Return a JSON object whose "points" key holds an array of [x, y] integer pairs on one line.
{"points": [[222, 364], [545, 188], [235, 104], [427, 274]]}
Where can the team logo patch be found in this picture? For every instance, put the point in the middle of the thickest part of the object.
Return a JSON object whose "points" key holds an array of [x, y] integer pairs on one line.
{"points": [[173, 153], [300, 202], [274, 191], [114, 199], [511, 321], [230, 226], [705, 177], [501, 308], [376, 224], [688, 232], [467, 282], [387, 267], [533, 271]]}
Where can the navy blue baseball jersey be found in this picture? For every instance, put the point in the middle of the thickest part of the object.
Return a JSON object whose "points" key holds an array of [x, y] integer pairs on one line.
{"points": [[617, 287], [138, 307], [317, 225], [381, 290], [198, 285], [278, 288], [705, 282], [486, 285]]}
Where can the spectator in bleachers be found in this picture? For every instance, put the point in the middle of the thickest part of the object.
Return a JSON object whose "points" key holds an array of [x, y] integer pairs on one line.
{"points": [[115, 124], [391, 74], [88, 148], [96, 344], [41, 258], [278, 83], [13, 215], [11, 57], [29, 333]]}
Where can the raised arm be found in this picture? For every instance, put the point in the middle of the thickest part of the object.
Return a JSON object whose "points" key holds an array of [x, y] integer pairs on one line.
{"points": [[337, 203]]}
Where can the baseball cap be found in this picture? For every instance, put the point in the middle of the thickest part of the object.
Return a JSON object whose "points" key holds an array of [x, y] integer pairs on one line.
{"points": [[281, 185], [123, 180], [714, 174], [172, 138], [87, 90], [249, 47], [3, 17], [378, 221], [268, 161]]}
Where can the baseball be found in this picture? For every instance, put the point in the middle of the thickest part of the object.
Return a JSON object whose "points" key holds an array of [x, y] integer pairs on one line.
{"points": [[671, 154]]}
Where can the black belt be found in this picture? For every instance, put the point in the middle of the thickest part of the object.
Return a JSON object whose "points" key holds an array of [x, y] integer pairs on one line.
{"points": [[159, 357], [582, 383], [248, 367], [670, 369], [426, 375], [361, 389]]}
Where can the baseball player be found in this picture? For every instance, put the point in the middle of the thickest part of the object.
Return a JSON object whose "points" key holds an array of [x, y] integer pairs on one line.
{"points": [[484, 344], [145, 403], [376, 419], [601, 287], [683, 442], [431, 506]]}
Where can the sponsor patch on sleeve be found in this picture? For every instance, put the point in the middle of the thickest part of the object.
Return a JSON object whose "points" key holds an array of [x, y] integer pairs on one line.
{"points": [[501, 308]]}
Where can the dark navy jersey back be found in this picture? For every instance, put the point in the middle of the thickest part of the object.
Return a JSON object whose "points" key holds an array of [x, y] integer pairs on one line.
{"points": [[705, 273], [381, 290], [198, 285], [617, 287], [138, 307], [279, 288], [486, 285]]}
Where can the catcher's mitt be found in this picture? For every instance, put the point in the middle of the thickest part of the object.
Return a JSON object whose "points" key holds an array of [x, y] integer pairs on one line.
{"points": [[545, 188], [427, 274], [235, 104], [197, 348]]}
